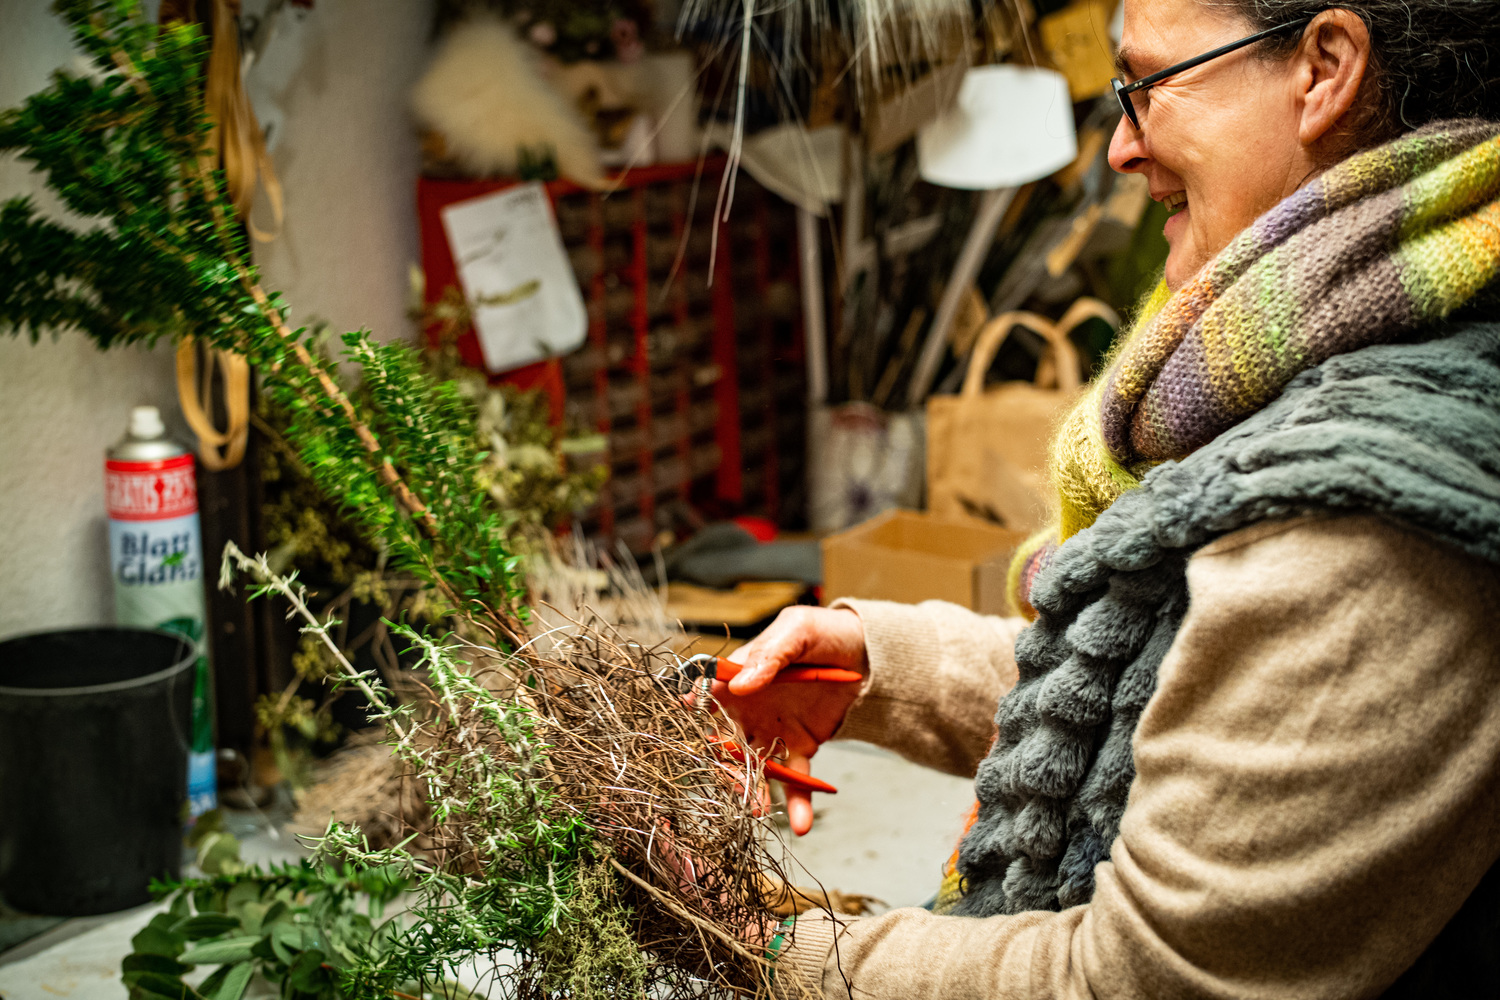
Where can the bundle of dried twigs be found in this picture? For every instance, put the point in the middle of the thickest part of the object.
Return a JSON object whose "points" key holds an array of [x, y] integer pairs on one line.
{"points": [[578, 753], [684, 827]]}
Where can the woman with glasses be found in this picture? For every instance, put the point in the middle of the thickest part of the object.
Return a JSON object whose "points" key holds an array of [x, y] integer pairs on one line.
{"points": [[1248, 745]]}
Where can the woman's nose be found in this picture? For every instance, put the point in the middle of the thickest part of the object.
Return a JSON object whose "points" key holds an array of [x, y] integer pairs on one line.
{"points": [[1127, 148]]}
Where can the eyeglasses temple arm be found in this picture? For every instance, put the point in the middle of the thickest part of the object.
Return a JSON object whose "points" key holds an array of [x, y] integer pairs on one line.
{"points": [[1160, 75]]}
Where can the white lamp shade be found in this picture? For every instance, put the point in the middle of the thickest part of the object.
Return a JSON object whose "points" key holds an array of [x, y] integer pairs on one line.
{"points": [[1009, 126]]}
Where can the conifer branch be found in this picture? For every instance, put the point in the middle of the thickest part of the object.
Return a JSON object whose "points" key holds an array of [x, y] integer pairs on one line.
{"points": [[268, 581], [129, 147]]}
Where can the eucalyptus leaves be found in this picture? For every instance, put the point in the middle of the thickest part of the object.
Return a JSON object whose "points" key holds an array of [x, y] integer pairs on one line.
{"points": [[293, 925]]}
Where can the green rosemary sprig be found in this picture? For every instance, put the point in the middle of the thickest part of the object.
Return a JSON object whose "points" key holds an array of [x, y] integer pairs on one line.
{"points": [[512, 851]]}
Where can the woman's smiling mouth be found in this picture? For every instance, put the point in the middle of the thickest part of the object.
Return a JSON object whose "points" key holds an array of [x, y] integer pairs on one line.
{"points": [[1176, 203]]}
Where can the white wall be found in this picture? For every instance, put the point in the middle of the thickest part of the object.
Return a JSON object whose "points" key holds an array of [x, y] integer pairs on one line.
{"points": [[348, 162]]}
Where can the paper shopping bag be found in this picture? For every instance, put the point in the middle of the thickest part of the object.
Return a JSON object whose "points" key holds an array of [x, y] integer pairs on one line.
{"points": [[987, 448]]}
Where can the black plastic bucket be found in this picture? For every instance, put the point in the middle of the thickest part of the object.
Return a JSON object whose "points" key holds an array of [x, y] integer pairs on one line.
{"points": [[94, 732]]}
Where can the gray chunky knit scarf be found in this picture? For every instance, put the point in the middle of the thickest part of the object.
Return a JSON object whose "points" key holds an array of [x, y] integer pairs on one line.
{"points": [[1409, 431]]}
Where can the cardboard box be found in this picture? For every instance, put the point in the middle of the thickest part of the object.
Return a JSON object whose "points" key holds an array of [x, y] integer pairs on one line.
{"points": [[910, 556]]}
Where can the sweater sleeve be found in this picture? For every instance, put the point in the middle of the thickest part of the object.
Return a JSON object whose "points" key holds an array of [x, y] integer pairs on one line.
{"points": [[937, 673], [1317, 792]]}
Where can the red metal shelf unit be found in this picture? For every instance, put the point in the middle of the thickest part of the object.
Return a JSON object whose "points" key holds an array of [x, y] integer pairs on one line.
{"points": [[696, 384]]}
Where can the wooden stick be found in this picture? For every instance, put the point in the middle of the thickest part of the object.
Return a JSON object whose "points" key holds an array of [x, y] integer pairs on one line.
{"points": [[686, 914], [981, 235]]}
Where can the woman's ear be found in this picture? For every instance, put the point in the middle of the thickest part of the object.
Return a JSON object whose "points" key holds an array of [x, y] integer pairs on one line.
{"points": [[1334, 58]]}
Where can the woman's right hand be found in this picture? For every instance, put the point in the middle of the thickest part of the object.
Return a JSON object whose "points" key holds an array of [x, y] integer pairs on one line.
{"points": [[796, 718]]}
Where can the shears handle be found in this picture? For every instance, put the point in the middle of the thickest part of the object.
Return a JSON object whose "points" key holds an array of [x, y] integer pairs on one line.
{"points": [[719, 669], [773, 769]]}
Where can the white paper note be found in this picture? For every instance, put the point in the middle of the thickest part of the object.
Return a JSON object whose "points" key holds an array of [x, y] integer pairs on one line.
{"points": [[515, 276]]}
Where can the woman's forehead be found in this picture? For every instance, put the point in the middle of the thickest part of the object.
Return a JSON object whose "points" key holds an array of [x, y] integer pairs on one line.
{"points": [[1159, 33]]}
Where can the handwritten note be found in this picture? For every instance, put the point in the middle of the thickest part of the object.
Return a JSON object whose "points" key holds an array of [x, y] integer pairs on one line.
{"points": [[515, 276]]}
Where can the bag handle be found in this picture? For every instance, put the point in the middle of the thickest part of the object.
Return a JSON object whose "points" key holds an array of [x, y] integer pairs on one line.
{"points": [[1069, 366], [1064, 355], [1084, 310]]}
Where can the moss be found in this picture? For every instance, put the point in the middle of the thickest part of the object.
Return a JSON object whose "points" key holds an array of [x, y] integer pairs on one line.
{"points": [[593, 955]]}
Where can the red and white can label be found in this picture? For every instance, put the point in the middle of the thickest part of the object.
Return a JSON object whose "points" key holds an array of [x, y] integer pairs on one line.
{"points": [[156, 558], [150, 491]]}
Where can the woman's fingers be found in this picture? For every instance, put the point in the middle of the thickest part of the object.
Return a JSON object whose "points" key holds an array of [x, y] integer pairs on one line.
{"points": [[799, 810], [775, 648], [765, 655], [800, 635], [795, 716]]}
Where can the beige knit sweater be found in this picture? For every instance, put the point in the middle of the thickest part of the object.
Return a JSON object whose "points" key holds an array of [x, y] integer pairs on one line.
{"points": [[1318, 784]]}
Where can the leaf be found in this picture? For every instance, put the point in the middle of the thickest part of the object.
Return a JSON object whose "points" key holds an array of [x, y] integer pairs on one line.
{"points": [[264, 951], [382, 882], [210, 986], [158, 938], [207, 899], [154, 986], [240, 894], [307, 973], [283, 954], [210, 822], [235, 982], [235, 949], [253, 916], [276, 912], [207, 925], [291, 935], [133, 966], [219, 854]]}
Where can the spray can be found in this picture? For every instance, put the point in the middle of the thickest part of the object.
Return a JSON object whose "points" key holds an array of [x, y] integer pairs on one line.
{"points": [[156, 559]]}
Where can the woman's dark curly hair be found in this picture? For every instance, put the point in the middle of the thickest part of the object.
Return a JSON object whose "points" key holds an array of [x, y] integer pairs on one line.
{"points": [[1431, 59]]}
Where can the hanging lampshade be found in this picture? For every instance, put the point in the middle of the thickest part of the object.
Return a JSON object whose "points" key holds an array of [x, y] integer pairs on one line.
{"points": [[1009, 126]]}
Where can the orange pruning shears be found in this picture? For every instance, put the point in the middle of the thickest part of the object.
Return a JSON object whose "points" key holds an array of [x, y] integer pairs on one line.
{"points": [[706, 668], [715, 668]]}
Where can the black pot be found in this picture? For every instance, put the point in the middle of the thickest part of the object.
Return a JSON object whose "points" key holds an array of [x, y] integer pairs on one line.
{"points": [[95, 726]]}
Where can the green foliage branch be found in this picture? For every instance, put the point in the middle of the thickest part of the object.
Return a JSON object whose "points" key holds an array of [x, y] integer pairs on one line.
{"points": [[533, 487], [510, 856], [295, 925], [160, 253], [156, 252]]}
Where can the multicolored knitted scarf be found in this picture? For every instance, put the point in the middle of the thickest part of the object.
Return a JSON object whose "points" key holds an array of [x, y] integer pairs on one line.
{"points": [[1383, 244], [1380, 246]]}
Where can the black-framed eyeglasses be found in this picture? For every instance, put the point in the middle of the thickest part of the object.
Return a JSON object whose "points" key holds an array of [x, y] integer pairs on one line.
{"points": [[1123, 90]]}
